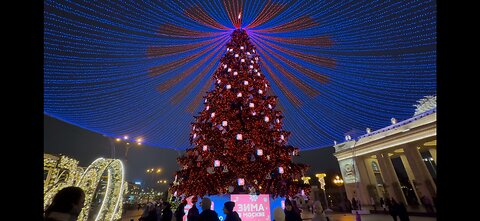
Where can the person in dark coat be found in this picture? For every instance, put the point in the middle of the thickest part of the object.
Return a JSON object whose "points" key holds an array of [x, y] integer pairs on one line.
{"points": [[228, 209], [66, 204], [179, 212], [207, 214], [193, 214], [393, 209], [166, 212], [354, 203], [290, 213], [402, 212]]}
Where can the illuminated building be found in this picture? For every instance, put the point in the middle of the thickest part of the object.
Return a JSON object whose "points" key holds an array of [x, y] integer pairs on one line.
{"points": [[398, 161]]}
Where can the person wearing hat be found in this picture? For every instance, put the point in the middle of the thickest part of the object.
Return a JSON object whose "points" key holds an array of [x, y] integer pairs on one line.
{"points": [[228, 209], [290, 213], [207, 214], [193, 214]]}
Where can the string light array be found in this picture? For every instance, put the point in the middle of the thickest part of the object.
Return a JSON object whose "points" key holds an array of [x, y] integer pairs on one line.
{"points": [[116, 66], [88, 180]]}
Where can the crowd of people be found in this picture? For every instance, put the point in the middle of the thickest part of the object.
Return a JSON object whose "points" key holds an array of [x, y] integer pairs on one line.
{"points": [[68, 203]]}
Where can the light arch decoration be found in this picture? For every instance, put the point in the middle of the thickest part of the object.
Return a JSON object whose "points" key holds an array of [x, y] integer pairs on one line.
{"points": [[111, 203]]}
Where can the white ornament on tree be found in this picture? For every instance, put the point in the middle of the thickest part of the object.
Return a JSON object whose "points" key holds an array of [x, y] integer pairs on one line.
{"points": [[241, 47], [236, 55], [241, 181], [260, 91], [267, 119], [259, 152], [229, 69], [225, 169], [268, 177], [205, 147], [280, 170], [239, 137], [229, 86], [239, 94], [224, 123], [245, 82], [254, 113], [212, 115], [251, 105], [251, 66], [235, 73], [216, 163]]}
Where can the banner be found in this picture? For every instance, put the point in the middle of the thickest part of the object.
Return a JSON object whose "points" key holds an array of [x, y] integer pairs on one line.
{"points": [[249, 207]]}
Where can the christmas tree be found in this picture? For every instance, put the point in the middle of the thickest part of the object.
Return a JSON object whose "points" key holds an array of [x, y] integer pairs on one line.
{"points": [[239, 143]]}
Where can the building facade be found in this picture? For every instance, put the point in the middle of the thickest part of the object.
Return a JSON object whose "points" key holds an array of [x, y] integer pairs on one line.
{"points": [[398, 161]]}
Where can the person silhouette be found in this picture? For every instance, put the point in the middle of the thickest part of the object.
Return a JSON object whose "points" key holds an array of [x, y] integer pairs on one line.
{"points": [[66, 204]]}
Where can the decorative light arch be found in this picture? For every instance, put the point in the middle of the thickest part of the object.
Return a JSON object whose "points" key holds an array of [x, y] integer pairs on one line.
{"points": [[111, 207]]}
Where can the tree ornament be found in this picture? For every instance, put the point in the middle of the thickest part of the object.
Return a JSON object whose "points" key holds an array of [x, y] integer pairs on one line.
{"points": [[225, 169], [252, 157], [239, 137], [268, 176], [280, 170], [241, 47], [230, 189], [251, 105], [216, 163], [235, 73], [243, 60], [245, 82], [212, 115], [229, 86], [207, 107], [236, 55], [260, 91], [205, 147], [266, 119], [239, 94], [241, 181], [268, 157], [229, 70], [251, 66], [254, 113], [259, 152]]}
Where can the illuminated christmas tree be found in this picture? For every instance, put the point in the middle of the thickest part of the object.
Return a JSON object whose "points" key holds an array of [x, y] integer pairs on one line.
{"points": [[239, 143]]}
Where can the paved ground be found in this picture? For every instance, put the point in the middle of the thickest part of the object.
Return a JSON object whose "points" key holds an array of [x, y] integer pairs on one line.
{"points": [[134, 214], [373, 217]]}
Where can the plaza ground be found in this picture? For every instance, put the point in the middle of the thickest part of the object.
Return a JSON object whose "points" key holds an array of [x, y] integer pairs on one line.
{"points": [[135, 214]]}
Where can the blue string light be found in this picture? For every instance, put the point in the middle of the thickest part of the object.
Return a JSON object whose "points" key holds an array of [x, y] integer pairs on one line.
{"points": [[141, 67]]}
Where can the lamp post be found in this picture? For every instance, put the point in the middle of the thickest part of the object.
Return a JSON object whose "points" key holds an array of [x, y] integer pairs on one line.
{"points": [[339, 182], [126, 141], [321, 179]]}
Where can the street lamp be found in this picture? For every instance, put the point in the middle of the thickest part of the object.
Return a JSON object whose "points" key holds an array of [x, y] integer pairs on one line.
{"points": [[321, 179], [338, 181], [127, 144]]}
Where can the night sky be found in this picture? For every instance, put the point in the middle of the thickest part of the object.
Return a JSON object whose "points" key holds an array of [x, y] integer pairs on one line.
{"points": [[86, 146]]}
